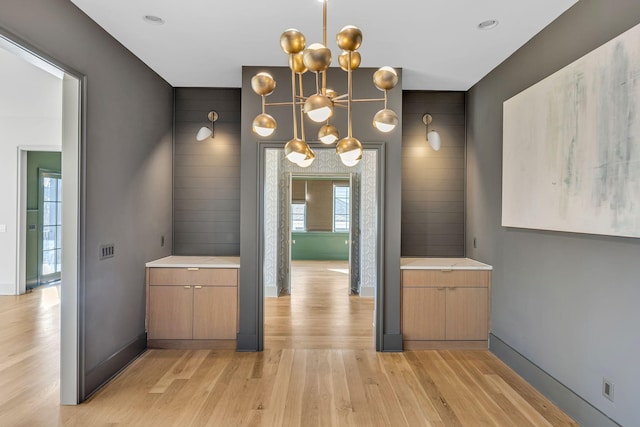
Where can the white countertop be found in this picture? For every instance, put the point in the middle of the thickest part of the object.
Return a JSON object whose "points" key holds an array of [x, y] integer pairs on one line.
{"points": [[442, 264], [175, 261]]}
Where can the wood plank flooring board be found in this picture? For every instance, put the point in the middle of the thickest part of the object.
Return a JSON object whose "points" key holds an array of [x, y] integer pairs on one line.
{"points": [[439, 402], [200, 385], [342, 410], [484, 382], [357, 393], [274, 414], [311, 397], [491, 412], [461, 401], [491, 365], [416, 407]]}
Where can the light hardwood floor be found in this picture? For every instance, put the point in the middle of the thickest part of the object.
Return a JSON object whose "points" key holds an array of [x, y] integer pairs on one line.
{"points": [[319, 368]]}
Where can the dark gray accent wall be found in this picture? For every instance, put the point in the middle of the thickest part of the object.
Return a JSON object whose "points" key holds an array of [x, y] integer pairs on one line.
{"points": [[566, 302], [127, 182], [388, 337], [206, 186], [433, 181]]}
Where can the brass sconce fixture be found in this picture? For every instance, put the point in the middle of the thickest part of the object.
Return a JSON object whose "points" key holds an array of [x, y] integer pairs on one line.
{"points": [[320, 106], [206, 132], [433, 137]]}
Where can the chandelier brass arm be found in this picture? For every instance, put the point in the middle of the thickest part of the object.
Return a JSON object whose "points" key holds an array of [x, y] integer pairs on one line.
{"points": [[320, 106]]}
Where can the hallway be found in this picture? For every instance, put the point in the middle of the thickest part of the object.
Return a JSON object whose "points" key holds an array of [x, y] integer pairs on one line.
{"points": [[319, 313]]}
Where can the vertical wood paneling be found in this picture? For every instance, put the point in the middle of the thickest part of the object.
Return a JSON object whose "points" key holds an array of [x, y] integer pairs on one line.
{"points": [[206, 187], [433, 181]]}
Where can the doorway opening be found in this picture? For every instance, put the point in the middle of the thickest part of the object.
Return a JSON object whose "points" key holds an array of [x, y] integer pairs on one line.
{"points": [[62, 236], [43, 246], [323, 224], [320, 252]]}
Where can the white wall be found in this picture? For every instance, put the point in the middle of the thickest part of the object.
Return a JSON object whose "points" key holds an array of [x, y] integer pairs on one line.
{"points": [[30, 115]]}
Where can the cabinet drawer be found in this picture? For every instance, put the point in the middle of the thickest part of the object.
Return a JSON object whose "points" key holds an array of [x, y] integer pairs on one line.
{"points": [[470, 278], [193, 276], [449, 278], [421, 278]]}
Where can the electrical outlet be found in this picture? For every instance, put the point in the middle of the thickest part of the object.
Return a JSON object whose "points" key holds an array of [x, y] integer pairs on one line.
{"points": [[607, 388]]}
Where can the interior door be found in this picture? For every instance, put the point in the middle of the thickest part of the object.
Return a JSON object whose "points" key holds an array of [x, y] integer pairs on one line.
{"points": [[50, 226]]}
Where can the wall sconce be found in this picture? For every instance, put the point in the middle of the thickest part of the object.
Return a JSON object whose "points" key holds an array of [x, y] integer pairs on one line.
{"points": [[204, 131], [433, 137]]}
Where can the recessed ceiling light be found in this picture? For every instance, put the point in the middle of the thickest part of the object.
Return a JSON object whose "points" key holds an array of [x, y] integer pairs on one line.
{"points": [[152, 19], [488, 24]]}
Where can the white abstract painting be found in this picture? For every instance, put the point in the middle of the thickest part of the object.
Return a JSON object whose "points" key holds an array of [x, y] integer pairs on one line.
{"points": [[571, 146]]}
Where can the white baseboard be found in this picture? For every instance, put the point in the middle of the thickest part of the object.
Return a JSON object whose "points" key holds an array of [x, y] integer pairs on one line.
{"points": [[270, 292], [368, 292]]}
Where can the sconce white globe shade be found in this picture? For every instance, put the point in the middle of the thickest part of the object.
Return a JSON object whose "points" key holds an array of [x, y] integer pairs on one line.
{"points": [[203, 133], [433, 138]]}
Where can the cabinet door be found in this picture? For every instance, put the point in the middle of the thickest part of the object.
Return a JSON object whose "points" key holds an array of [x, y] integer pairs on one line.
{"points": [[423, 313], [170, 312], [467, 314], [214, 312]]}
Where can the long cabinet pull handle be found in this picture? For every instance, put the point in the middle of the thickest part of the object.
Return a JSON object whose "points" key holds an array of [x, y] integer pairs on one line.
{"points": [[198, 287], [193, 269], [187, 287], [441, 289]]}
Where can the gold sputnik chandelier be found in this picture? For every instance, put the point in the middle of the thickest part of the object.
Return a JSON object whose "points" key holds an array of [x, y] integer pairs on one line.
{"points": [[320, 106]]}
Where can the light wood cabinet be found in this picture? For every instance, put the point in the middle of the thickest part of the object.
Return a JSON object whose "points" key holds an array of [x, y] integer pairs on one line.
{"points": [[170, 312], [423, 313], [192, 307], [445, 308], [215, 313]]}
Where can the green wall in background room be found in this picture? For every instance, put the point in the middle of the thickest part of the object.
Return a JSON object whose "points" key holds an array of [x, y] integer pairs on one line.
{"points": [[49, 160], [320, 246]]}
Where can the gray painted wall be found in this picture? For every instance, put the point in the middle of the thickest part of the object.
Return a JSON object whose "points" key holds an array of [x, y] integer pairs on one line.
{"points": [[206, 186], [567, 302], [433, 181], [128, 180], [250, 292]]}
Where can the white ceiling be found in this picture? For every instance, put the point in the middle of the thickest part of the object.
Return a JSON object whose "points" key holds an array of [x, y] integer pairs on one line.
{"points": [[436, 42]]}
